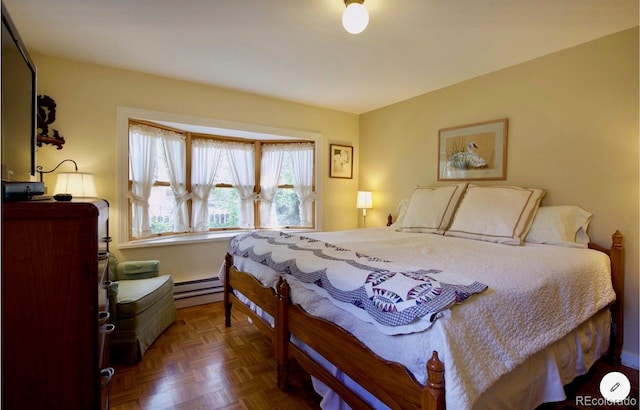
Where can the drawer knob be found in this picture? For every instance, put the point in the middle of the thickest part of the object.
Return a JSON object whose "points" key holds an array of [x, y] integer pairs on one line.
{"points": [[106, 375], [103, 316]]}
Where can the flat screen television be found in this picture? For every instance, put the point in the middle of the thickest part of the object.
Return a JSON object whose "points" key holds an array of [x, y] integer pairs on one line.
{"points": [[19, 104]]}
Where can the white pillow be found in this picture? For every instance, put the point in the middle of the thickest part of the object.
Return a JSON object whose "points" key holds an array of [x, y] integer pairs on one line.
{"points": [[431, 209], [402, 212], [563, 225], [502, 214]]}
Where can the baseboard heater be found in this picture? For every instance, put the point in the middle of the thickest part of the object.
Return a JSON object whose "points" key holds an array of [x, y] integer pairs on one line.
{"points": [[197, 292]]}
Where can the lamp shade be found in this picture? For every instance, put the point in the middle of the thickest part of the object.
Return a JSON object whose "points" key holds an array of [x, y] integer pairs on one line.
{"points": [[355, 18], [78, 184], [365, 200]]}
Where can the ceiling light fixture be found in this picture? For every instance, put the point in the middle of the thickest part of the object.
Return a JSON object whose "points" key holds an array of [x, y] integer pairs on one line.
{"points": [[355, 17]]}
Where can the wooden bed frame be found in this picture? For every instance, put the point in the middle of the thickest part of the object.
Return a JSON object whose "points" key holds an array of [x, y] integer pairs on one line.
{"points": [[390, 382]]}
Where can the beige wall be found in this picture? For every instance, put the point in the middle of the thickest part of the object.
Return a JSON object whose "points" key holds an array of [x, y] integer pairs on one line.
{"points": [[87, 97], [573, 130]]}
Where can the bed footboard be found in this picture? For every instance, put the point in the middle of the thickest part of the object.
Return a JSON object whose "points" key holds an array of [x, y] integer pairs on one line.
{"points": [[252, 289], [390, 382]]}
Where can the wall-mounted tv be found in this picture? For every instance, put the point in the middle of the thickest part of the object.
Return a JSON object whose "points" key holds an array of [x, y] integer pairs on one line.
{"points": [[19, 99]]}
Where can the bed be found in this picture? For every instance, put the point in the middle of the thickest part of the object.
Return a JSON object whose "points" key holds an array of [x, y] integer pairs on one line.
{"points": [[360, 362]]}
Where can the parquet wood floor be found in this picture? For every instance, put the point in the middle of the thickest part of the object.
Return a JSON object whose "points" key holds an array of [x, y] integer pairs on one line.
{"points": [[199, 364]]}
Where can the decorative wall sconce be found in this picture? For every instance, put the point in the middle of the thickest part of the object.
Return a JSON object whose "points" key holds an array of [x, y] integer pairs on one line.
{"points": [[46, 116]]}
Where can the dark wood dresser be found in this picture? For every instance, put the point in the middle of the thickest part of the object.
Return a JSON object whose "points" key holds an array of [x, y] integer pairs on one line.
{"points": [[55, 320]]}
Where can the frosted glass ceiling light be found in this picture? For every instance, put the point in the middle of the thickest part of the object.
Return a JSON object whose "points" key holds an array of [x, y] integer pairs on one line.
{"points": [[355, 17]]}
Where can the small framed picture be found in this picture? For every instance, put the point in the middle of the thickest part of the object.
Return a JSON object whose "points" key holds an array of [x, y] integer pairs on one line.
{"points": [[341, 157], [473, 152]]}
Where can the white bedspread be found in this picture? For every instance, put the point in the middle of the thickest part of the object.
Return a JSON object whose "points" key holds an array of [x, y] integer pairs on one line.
{"points": [[536, 295]]}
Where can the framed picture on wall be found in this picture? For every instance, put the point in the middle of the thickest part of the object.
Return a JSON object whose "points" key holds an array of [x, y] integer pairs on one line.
{"points": [[341, 157], [473, 152]]}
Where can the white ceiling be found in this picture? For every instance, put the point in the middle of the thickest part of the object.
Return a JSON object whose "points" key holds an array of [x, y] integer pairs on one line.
{"points": [[297, 50]]}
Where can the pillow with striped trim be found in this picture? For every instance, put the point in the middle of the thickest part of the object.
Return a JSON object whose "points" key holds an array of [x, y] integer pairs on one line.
{"points": [[431, 209], [501, 214]]}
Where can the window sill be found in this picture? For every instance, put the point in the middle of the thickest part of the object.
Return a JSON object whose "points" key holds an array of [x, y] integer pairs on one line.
{"points": [[188, 238]]}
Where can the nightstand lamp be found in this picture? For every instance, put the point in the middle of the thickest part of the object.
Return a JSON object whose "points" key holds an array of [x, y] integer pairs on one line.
{"points": [[71, 184], [364, 202], [76, 184]]}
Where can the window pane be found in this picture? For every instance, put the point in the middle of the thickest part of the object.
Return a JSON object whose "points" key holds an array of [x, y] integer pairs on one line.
{"points": [[286, 172], [224, 204], [161, 170], [287, 207], [223, 173], [161, 205]]}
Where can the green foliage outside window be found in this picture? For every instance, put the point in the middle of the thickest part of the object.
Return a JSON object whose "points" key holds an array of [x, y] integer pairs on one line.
{"points": [[287, 207], [160, 225], [224, 205]]}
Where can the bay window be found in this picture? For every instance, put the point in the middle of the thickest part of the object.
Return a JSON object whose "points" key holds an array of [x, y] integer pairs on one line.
{"points": [[182, 182]]}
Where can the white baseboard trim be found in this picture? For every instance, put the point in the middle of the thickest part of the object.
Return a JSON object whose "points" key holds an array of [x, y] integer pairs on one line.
{"points": [[630, 360], [198, 300], [197, 292]]}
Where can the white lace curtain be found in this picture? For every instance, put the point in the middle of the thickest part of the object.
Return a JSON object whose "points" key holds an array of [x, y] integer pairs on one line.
{"points": [[143, 146], [302, 164], [142, 157], [175, 153], [271, 165], [242, 160], [144, 141], [205, 158]]}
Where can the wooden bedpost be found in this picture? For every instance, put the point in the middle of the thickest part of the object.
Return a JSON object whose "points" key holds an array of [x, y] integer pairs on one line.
{"points": [[282, 333], [433, 396], [616, 256], [617, 277], [228, 262]]}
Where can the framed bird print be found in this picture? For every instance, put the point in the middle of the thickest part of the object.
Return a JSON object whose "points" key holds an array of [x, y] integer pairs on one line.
{"points": [[473, 152], [341, 165]]}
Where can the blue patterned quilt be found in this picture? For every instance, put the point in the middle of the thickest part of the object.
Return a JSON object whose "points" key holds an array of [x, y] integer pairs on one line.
{"points": [[393, 294]]}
